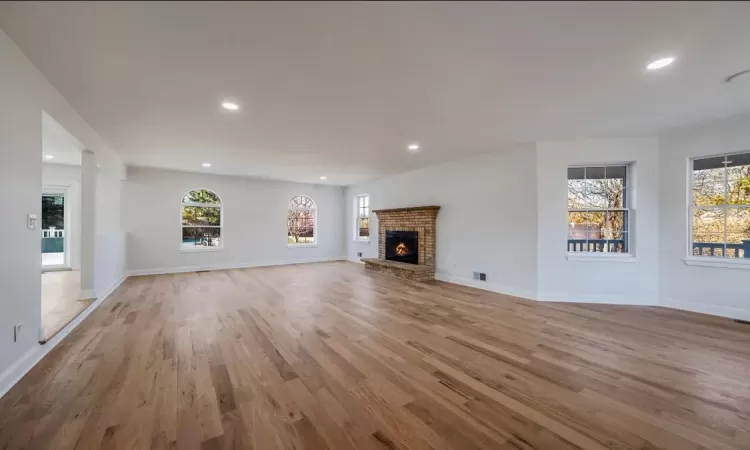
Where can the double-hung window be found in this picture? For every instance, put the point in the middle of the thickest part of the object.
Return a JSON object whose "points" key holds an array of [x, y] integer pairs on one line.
{"points": [[362, 220], [720, 207], [598, 209]]}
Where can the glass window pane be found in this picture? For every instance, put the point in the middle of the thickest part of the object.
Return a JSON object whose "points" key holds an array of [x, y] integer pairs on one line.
{"points": [[717, 162], [708, 193], [576, 173], [595, 173], [739, 189], [708, 232], [577, 225], [301, 201], [576, 194], [617, 172], [604, 193], [364, 228], [201, 196], [597, 243], [197, 237], [300, 227], [738, 221], [367, 200], [201, 215], [53, 212]]}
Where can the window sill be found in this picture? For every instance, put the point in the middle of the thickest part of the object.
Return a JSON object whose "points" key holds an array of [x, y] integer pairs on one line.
{"points": [[199, 250], [743, 264], [301, 245], [598, 257], [361, 241]]}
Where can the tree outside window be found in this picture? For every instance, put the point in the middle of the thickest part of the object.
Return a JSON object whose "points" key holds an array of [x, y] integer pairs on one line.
{"points": [[301, 221]]}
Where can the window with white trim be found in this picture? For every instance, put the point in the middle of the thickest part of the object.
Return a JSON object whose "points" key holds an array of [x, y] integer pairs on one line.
{"points": [[720, 207], [201, 220], [599, 209], [362, 219], [301, 221]]}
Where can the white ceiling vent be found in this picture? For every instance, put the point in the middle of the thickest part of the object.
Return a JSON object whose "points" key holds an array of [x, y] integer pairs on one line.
{"points": [[739, 77]]}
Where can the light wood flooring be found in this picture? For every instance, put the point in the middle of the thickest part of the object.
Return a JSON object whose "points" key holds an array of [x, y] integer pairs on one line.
{"points": [[327, 356], [60, 304]]}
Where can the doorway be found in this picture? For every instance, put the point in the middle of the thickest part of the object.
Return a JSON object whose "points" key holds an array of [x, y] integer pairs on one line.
{"points": [[55, 236]]}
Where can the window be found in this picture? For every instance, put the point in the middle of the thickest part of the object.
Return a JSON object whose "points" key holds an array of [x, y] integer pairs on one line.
{"points": [[201, 220], [720, 207], [362, 219], [301, 221], [598, 209]]}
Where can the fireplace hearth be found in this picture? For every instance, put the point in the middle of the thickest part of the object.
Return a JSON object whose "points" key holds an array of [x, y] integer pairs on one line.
{"points": [[402, 246], [406, 243]]}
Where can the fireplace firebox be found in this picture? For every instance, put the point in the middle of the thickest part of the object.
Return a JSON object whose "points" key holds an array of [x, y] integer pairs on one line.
{"points": [[402, 246]]}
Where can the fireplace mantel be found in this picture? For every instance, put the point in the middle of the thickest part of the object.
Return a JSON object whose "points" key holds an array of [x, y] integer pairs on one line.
{"points": [[411, 209], [421, 219]]}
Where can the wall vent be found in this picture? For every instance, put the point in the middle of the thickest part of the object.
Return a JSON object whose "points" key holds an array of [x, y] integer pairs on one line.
{"points": [[359, 254], [479, 276]]}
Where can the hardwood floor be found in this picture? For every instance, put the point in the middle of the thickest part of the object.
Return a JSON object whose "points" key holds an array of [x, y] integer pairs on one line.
{"points": [[326, 356], [60, 304]]}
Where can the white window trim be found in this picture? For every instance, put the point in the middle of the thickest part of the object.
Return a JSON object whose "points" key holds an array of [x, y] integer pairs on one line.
{"points": [[630, 256], [314, 210], [601, 257], [220, 227], [709, 261], [357, 216], [725, 263]]}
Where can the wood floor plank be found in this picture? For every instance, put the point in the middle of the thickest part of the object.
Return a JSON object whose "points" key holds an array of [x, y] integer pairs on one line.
{"points": [[326, 355]]}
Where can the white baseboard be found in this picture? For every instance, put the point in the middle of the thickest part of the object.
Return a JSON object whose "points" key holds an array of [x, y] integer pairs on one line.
{"points": [[166, 270], [14, 373], [506, 290], [355, 260], [605, 299], [731, 312]]}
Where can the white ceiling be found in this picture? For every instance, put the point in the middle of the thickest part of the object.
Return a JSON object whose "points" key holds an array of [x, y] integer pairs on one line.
{"points": [[59, 144], [339, 89]]}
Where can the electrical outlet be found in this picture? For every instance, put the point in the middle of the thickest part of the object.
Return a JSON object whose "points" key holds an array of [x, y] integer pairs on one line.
{"points": [[479, 276], [359, 254], [17, 332]]}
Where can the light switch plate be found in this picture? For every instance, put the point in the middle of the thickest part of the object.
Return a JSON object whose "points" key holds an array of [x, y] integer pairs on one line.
{"points": [[31, 221]]}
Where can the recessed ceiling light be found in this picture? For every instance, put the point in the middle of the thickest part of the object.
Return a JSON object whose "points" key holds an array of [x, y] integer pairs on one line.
{"points": [[660, 63], [231, 106], [413, 147], [206, 165], [324, 178], [49, 156]]}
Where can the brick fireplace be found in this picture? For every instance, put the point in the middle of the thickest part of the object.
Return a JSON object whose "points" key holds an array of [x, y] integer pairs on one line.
{"points": [[399, 232]]}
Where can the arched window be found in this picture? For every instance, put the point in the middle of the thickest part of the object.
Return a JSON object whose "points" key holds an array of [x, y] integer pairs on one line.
{"points": [[301, 221], [201, 220]]}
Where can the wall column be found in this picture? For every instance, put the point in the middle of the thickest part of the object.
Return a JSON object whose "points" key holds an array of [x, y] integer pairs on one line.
{"points": [[88, 205]]}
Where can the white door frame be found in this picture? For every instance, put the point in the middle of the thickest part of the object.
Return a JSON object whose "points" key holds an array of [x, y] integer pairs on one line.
{"points": [[60, 190]]}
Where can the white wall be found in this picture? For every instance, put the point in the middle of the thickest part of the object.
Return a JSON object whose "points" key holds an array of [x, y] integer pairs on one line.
{"points": [[25, 93], [486, 222], [68, 177], [254, 221], [602, 281], [717, 290], [109, 242]]}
